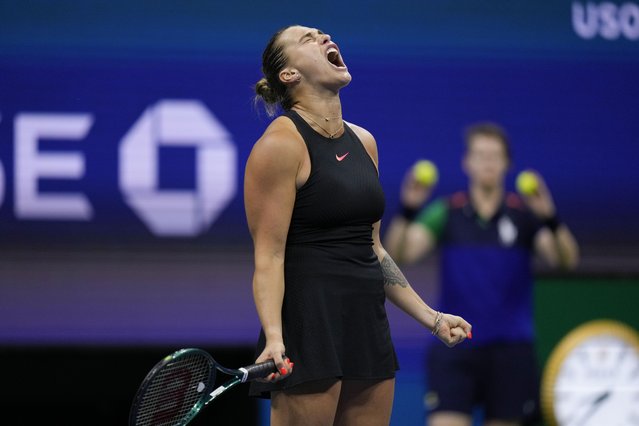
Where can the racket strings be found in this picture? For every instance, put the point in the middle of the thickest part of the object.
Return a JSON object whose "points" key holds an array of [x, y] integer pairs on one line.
{"points": [[174, 390]]}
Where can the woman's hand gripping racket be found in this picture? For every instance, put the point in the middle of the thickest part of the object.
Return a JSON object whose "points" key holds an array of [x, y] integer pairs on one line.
{"points": [[180, 385]]}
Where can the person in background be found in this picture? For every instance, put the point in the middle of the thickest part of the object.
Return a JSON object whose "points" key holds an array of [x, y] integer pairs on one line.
{"points": [[487, 238]]}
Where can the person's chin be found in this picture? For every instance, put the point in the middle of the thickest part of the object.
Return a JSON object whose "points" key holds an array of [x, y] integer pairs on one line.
{"points": [[344, 77], [336, 84], [347, 78], [489, 184]]}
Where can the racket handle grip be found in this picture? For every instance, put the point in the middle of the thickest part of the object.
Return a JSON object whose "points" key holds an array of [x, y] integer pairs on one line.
{"points": [[259, 371]]}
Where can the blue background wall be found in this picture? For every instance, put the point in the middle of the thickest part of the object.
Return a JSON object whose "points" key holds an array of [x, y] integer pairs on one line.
{"points": [[422, 72]]}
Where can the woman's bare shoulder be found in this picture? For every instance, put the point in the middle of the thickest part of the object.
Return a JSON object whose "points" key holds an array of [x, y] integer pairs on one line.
{"points": [[280, 143]]}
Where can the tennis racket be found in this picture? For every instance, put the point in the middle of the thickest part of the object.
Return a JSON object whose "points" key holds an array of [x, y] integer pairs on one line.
{"points": [[181, 384]]}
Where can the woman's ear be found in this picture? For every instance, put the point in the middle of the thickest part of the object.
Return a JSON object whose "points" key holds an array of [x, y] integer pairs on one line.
{"points": [[290, 76]]}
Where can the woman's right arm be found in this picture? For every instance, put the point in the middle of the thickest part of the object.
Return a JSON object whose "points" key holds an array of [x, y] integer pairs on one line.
{"points": [[269, 196]]}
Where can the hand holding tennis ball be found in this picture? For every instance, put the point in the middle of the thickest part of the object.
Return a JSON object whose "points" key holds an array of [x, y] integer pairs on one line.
{"points": [[425, 173], [536, 194], [418, 184], [527, 183]]}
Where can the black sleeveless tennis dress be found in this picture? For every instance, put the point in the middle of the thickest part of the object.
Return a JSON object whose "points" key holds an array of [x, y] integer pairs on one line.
{"points": [[333, 316]]}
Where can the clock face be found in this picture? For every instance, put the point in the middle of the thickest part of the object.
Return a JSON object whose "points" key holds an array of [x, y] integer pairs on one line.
{"points": [[597, 382]]}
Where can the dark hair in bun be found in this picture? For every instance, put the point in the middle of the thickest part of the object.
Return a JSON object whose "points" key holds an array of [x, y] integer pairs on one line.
{"points": [[270, 89]]}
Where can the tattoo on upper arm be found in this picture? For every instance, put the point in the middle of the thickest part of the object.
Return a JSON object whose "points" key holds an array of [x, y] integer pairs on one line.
{"points": [[392, 274]]}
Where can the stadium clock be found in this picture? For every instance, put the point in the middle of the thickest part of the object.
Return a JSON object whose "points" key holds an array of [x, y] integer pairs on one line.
{"points": [[592, 377]]}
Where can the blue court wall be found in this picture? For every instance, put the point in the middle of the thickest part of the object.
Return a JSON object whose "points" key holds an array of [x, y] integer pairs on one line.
{"points": [[559, 77]]}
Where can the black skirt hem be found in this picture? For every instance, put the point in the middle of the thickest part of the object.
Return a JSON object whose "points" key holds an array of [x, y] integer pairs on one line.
{"points": [[283, 385]]}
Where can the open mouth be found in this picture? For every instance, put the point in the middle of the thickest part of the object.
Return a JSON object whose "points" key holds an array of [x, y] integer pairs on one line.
{"points": [[333, 56]]}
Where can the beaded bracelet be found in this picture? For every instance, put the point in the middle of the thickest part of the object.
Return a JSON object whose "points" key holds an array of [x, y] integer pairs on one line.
{"points": [[438, 320]]}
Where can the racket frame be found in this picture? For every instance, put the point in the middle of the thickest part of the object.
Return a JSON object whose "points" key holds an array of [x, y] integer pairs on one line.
{"points": [[148, 380], [240, 375]]}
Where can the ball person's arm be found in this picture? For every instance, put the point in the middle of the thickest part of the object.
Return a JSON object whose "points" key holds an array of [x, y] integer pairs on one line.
{"points": [[558, 247], [406, 240], [269, 196]]}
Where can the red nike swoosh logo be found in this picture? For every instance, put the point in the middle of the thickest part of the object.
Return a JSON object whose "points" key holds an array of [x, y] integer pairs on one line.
{"points": [[341, 158]]}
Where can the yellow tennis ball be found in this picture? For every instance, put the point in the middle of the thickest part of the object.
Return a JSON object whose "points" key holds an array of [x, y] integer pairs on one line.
{"points": [[527, 183], [425, 173]]}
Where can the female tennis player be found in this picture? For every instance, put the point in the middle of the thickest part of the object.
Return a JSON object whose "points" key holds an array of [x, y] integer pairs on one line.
{"points": [[313, 203]]}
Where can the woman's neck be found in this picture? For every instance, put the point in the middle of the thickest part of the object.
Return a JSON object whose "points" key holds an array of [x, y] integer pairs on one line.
{"points": [[323, 113], [324, 107]]}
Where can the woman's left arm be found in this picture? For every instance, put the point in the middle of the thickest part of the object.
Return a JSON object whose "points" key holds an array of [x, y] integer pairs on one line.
{"points": [[450, 329]]}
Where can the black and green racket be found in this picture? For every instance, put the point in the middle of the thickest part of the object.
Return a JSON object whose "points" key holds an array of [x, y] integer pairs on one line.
{"points": [[181, 384]]}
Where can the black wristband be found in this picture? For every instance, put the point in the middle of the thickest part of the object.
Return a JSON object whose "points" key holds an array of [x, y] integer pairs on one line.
{"points": [[408, 213], [552, 223]]}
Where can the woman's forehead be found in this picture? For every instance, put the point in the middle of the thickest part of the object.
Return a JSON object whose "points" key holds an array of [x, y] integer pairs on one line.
{"points": [[295, 32]]}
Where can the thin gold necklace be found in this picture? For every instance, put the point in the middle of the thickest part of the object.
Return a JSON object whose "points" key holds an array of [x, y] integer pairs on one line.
{"points": [[330, 135]]}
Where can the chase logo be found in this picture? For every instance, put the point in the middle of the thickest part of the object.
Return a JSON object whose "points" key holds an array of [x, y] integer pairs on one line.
{"points": [[177, 212], [166, 212], [608, 20]]}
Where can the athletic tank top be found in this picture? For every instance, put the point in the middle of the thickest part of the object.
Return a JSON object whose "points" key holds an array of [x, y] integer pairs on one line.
{"points": [[342, 197]]}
